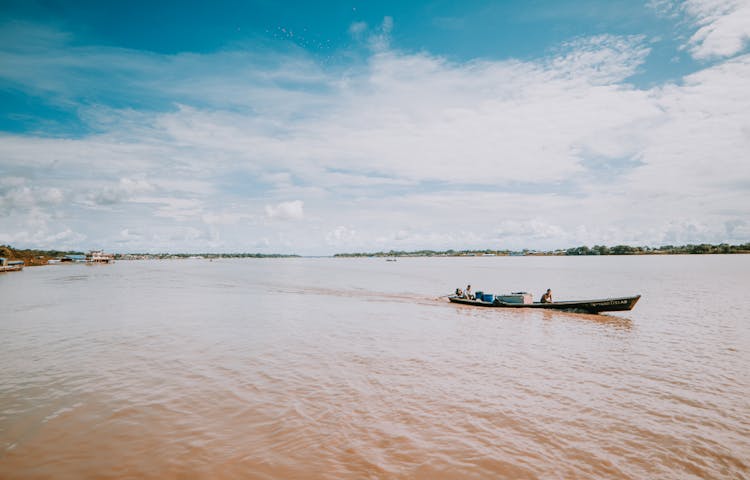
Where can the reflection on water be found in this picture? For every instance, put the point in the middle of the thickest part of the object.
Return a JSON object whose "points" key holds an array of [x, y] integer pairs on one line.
{"points": [[358, 368]]}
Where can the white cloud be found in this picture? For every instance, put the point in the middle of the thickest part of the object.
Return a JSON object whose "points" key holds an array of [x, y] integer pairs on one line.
{"points": [[602, 59], [126, 235], [408, 150], [17, 196], [387, 25], [528, 229], [381, 39], [123, 190], [341, 236], [179, 209], [357, 28], [43, 238], [698, 145], [724, 27], [225, 218], [286, 210]]}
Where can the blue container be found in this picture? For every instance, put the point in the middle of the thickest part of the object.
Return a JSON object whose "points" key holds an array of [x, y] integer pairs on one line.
{"points": [[488, 297], [478, 295]]}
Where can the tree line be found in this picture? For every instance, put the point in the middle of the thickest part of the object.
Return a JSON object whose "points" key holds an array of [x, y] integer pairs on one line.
{"points": [[41, 257], [33, 256], [162, 256], [703, 248], [690, 249]]}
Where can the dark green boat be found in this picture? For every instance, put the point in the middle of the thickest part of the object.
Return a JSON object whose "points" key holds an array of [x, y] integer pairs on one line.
{"points": [[618, 304]]}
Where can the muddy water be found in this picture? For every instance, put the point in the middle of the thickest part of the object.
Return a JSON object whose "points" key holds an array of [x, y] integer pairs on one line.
{"points": [[353, 368]]}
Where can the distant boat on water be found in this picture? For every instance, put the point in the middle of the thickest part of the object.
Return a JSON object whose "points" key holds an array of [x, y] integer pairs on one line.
{"points": [[11, 265], [98, 256]]}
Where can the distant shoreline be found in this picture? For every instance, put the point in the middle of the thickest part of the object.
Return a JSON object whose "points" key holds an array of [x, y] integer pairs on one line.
{"points": [[597, 250], [33, 257], [198, 256]]}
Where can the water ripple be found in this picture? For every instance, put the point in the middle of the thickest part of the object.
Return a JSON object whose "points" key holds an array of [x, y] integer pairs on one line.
{"points": [[328, 369]]}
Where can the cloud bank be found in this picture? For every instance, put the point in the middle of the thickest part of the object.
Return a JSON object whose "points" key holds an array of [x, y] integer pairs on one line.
{"points": [[241, 150]]}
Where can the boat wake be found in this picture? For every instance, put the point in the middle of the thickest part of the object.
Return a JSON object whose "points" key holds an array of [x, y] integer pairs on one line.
{"points": [[367, 295]]}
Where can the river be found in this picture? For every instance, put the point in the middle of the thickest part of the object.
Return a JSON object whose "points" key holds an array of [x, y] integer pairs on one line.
{"points": [[328, 368]]}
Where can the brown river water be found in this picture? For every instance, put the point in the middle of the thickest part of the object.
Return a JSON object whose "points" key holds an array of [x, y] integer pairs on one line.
{"points": [[323, 368]]}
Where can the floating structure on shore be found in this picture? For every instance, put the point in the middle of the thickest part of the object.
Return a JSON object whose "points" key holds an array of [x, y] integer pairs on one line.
{"points": [[98, 256], [73, 258], [11, 265], [94, 256]]}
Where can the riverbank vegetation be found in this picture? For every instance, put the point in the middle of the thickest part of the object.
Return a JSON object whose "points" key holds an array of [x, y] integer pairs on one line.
{"points": [[33, 257], [164, 256], [690, 249]]}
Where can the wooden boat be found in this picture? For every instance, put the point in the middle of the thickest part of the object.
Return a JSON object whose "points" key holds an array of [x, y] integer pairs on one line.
{"points": [[10, 265], [618, 304]]}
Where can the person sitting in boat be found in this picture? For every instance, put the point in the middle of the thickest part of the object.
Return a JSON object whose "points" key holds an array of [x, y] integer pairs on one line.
{"points": [[547, 297], [459, 292], [469, 295]]}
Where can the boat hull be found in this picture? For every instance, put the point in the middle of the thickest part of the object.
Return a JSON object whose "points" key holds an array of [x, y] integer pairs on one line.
{"points": [[618, 304], [11, 268]]}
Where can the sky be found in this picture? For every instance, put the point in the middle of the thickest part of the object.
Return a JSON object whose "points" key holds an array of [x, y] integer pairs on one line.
{"points": [[345, 126]]}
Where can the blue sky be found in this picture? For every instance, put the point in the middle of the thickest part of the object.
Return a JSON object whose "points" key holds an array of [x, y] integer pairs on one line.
{"points": [[345, 126]]}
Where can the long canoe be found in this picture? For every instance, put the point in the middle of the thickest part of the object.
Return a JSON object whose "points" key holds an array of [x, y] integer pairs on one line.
{"points": [[589, 306]]}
